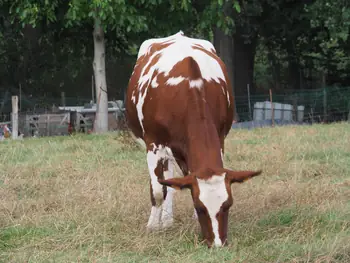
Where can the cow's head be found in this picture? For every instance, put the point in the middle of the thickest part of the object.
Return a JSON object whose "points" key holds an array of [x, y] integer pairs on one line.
{"points": [[212, 198]]}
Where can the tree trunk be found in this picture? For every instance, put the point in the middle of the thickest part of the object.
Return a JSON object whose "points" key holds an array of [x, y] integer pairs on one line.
{"points": [[31, 49], [224, 48], [294, 74], [99, 66], [275, 68], [244, 54]]}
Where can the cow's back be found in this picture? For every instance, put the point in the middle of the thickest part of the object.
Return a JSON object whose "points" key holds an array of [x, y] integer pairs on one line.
{"points": [[173, 78]]}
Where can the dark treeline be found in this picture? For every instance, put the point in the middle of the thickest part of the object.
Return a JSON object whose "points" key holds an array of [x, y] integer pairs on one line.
{"points": [[47, 47]]}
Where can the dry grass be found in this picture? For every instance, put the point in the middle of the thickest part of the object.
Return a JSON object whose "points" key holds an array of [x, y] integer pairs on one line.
{"points": [[86, 199]]}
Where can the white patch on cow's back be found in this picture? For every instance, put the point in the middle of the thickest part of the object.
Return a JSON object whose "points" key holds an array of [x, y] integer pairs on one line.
{"points": [[213, 194], [174, 81], [154, 83], [139, 106], [133, 97], [223, 91], [145, 46], [197, 83], [180, 48]]}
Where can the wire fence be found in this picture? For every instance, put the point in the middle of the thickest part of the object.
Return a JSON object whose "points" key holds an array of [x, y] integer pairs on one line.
{"points": [[328, 104]]}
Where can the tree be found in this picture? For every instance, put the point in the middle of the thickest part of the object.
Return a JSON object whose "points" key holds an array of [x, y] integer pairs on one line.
{"points": [[305, 40], [103, 15], [117, 16], [122, 18]]}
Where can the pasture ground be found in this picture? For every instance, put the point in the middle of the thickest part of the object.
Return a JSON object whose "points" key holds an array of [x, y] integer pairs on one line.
{"points": [[85, 198]]}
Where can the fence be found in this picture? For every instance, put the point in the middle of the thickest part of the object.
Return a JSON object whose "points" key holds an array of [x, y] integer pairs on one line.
{"points": [[50, 118], [302, 106], [328, 104]]}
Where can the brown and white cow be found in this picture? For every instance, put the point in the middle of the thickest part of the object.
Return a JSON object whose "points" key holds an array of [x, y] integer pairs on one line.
{"points": [[179, 105]]}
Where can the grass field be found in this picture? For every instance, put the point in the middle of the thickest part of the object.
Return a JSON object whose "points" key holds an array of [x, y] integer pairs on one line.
{"points": [[86, 199]]}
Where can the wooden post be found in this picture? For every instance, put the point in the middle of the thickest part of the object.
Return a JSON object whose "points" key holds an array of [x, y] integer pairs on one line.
{"points": [[324, 96], [92, 88], [272, 110], [250, 108], [48, 124], [295, 108], [20, 96], [14, 117], [325, 104]]}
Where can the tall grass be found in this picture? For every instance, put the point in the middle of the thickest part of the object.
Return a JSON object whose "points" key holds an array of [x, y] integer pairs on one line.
{"points": [[86, 199]]}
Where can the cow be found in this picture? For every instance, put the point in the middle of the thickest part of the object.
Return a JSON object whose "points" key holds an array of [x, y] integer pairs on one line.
{"points": [[180, 107]]}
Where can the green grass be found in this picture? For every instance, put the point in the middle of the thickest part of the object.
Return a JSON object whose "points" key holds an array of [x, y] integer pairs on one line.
{"points": [[85, 198]]}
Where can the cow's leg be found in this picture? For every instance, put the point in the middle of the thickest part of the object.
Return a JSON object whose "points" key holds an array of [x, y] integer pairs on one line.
{"points": [[157, 162], [167, 208]]}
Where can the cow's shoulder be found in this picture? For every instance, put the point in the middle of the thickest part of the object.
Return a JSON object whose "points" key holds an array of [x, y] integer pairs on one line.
{"points": [[156, 44], [149, 46]]}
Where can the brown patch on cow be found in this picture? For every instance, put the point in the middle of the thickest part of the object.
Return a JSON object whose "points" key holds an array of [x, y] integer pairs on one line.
{"points": [[198, 45], [187, 68], [211, 54], [159, 169], [206, 226], [154, 61], [159, 172], [159, 46], [166, 165], [205, 174], [224, 212], [153, 200], [165, 168], [142, 60]]}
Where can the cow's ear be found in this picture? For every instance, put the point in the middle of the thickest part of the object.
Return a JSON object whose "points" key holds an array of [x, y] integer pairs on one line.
{"points": [[178, 183], [241, 176]]}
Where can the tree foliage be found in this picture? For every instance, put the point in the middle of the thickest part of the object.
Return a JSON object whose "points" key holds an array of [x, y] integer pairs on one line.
{"points": [[47, 46], [302, 41]]}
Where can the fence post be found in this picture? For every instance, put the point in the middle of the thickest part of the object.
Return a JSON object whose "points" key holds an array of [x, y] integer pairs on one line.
{"points": [[48, 124], [14, 117], [92, 88], [325, 104], [272, 110], [295, 108], [250, 107]]}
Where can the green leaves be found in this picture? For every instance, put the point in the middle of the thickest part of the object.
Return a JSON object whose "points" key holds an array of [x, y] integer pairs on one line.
{"points": [[31, 12], [237, 6]]}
